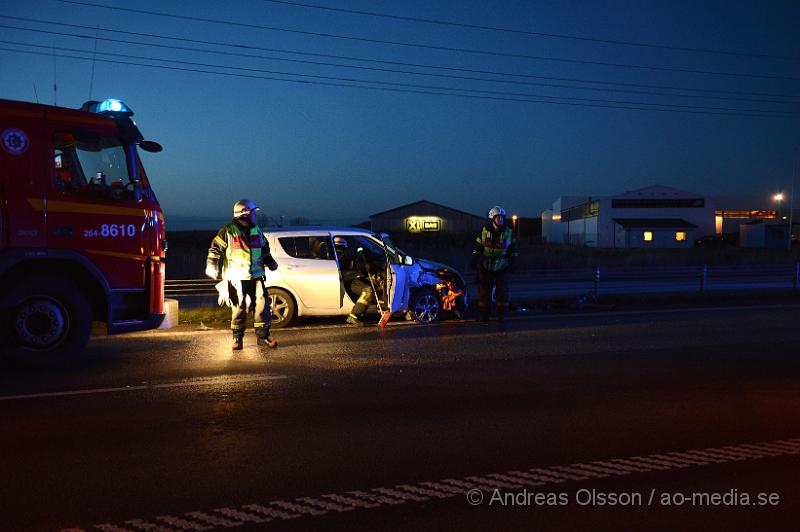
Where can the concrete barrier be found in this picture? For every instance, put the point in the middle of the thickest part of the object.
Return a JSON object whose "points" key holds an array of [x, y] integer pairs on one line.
{"points": [[171, 307]]}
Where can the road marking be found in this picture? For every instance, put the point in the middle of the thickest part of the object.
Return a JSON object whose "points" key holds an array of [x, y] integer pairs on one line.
{"points": [[360, 500], [212, 381]]}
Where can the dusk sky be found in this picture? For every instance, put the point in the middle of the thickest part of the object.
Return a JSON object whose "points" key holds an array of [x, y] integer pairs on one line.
{"points": [[300, 109]]}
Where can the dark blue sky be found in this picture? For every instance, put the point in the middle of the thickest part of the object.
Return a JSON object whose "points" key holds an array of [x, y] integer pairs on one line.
{"points": [[337, 154]]}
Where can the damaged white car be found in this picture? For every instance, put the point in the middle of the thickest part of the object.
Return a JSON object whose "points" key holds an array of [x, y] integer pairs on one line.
{"points": [[309, 281]]}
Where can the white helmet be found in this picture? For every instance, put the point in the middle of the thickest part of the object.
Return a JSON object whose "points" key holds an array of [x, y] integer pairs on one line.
{"points": [[244, 207], [497, 210]]}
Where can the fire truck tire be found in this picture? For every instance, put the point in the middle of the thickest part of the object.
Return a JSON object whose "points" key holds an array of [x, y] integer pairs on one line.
{"points": [[282, 307], [48, 318], [425, 305]]}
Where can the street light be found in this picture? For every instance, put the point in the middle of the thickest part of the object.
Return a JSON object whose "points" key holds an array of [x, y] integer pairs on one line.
{"points": [[778, 198], [514, 223]]}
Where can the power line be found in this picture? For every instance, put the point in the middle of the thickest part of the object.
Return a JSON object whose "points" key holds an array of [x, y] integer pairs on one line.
{"points": [[533, 33], [432, 91], [413, 65], [431, 47], [387, 70], [410, 85]]}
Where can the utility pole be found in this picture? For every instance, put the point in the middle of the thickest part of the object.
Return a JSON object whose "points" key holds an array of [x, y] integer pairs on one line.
{"points": [[791, 203]]}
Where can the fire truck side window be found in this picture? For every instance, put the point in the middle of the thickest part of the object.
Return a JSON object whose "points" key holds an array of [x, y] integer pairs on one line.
{"points": [[90, 164]]}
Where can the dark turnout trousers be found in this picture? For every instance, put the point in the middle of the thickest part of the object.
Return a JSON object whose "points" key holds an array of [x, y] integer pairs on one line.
{"points": [[488, 279], [365, 296], [256, 289]]}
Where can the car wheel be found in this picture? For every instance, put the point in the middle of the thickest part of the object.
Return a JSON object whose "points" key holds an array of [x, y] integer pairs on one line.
{"points": [[47, 319], [281, 306], [425, 306]]}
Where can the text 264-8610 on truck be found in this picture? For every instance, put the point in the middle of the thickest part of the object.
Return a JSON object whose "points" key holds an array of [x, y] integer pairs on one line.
{"points": [[81, 231]]}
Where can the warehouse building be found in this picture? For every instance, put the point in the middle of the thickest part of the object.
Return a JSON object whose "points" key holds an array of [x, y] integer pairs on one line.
{"points": [[655, 216], [426, 217]]}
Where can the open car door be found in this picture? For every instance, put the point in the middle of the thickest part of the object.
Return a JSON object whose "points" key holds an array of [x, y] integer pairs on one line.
{"points": [[396, 286]]}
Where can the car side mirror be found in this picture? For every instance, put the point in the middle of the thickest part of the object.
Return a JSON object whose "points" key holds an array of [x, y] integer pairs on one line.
{"points": [[151, 146]]}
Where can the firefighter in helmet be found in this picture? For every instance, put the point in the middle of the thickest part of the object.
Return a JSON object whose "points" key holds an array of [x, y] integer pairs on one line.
{"points": [[493, 256], [357, 265], [238, 254]]}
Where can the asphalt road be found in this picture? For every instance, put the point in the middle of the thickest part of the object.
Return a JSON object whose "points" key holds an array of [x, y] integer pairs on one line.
{"points": [[685, 419]]}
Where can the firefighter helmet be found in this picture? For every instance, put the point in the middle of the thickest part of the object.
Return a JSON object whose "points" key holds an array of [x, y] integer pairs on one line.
{"points": [[244, 207], [497, 210]]}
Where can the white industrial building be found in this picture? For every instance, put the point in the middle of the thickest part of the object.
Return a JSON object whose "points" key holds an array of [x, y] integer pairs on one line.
{"points": [[655, 216]]}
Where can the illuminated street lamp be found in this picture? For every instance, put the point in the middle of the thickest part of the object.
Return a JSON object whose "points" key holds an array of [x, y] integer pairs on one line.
{"points": [[778, 198], [514, 223]]}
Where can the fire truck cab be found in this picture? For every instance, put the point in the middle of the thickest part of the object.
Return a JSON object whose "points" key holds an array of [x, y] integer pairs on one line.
{"points": [[81, 231]]}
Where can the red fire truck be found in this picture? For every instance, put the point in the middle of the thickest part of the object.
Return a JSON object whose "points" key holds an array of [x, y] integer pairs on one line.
{"points": [[81, 231]]}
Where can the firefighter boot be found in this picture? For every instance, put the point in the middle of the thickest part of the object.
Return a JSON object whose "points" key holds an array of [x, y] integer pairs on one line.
{"points": [[353, 320], [267, 341], [237, 341], [264, 339]]}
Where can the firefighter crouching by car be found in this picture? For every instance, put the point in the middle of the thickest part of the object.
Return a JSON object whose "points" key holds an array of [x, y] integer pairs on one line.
{"points": [[493, 256], [360, 273], [238, 255]]}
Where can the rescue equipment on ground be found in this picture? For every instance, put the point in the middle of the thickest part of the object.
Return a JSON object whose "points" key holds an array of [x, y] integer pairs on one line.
{"points": [[448, 295]]}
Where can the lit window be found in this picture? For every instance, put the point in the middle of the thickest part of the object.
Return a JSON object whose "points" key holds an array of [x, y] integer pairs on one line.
{"points": [[648, 236], [680, 236]]}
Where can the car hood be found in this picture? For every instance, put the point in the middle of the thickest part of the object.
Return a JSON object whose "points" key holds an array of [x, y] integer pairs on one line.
{"points": [[426, 264]]}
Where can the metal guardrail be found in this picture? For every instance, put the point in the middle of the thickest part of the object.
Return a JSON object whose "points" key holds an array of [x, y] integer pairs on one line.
{"points": [[652, 279], [189, 287]]}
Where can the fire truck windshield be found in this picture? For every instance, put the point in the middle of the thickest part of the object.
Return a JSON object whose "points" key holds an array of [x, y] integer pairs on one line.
{"points": [[87, 163]]}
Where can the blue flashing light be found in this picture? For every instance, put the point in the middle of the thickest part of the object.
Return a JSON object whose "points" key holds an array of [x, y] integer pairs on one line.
{"points": [[113, 106]]}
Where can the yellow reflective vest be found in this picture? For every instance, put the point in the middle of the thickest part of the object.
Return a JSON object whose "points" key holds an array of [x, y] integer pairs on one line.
{"points": [[241, 253], [495, 249]]}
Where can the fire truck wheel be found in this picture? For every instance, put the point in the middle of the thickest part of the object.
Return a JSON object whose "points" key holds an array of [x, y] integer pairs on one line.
{"points": [[281, 306], [425, 305], [49, 318]]}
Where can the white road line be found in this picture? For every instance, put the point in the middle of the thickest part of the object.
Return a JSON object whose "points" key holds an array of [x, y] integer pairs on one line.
{"points": [[325, 505], [182, 524], [515, 480], [140, 524], [358, 503], [213, 519], [269, 512], [428, 492], [374, 497], [494, 483], [180, 384], [578, 472], [652, 464], [299, 508], [358, 500], [596, 469], [401, 495], [443, 488], [241, 516], [554, 475]]}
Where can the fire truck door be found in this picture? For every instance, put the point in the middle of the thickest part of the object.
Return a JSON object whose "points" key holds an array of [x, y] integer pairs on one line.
{"points": [[93, 208]]}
